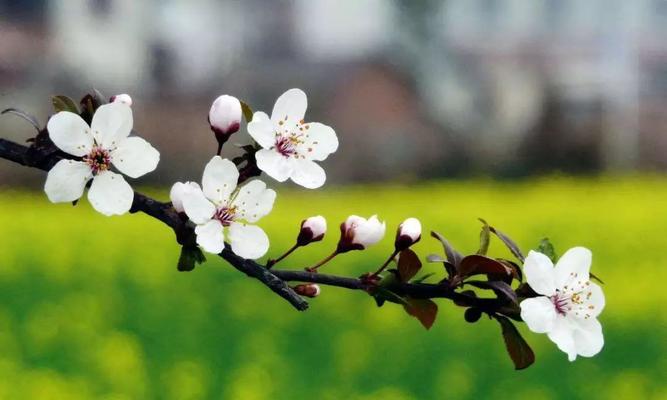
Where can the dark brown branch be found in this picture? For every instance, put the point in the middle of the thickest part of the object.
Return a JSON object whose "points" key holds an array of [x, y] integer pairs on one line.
{"points": [[44, 160]]}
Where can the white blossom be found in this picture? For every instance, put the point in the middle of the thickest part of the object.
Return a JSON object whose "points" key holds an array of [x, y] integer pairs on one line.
{"points": [[225, 115], [290, 146], [358, 233], [569, 302], [312, 230], [409, 232], [104, 143], [220, 206]]}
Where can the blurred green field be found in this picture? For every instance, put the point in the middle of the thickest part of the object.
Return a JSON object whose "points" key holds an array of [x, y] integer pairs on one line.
{"points": [[93, 307]]}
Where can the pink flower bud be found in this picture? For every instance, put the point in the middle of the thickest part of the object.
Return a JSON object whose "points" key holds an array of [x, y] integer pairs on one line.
{"points": [[122, 98], [178, 190], [409, 232], [308, 289], [357, 233], [312, 230], [225, 117]]}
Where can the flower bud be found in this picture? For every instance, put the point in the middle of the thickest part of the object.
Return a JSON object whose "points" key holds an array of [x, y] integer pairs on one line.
{"points": [[357, 233], [122, 98], [178, 190], [308, 289], [312, 230], [409, 232], [225, 117]]}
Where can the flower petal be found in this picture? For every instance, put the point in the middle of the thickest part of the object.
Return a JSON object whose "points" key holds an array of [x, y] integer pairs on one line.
{"points": [[539, 314], [254, 201], [573, 266], [66, 181], [588, 338], [219, 180], [539, 271], [248, 241], [290, 108], [320, 141], [177, 192], [210, 236], [111, 124], [274, 164], [196, 206], [110, 194], [261, 129], [308, 174], [70, 133], [135, 157], [562, 334], [592, 301]]}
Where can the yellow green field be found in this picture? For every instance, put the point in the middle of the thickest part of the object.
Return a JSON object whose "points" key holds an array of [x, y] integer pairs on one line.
{"points": [[93, 307]]}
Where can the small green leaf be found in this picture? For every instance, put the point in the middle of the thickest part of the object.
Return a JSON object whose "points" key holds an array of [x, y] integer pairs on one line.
{"points": [[64, 103], [520, 352], [247, 111], [484, 238], [408, 265], [547, 248], [425, 310]]}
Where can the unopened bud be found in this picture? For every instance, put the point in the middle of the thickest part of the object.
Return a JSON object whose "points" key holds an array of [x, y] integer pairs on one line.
{"points": [[122, 98], [312, 230], [472, 314], [225, 117], [409, 232], [357, 233], [178, 190], [307, 289]]}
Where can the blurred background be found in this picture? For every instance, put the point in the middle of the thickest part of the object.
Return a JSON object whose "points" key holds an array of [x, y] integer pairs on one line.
{"points": [[546, 117]]}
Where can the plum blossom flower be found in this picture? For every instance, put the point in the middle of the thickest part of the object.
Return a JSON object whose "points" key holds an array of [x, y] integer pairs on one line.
{"points": [[358, 233], [409, 232], [220, 206], [104, 143], [312, 230], [569, 304], [225, 118], [290, 146]]}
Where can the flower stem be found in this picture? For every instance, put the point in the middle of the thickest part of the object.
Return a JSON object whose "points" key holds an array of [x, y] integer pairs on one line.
{"points": [[321, 263], [271, 263], [383, 266]]}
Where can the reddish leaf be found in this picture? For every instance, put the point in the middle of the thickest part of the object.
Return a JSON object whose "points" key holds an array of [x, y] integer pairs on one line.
{"points": [[509, 243], [408, 265], [424, 310], [453, 256], [477, 264], [499, 287], [520, 352]]}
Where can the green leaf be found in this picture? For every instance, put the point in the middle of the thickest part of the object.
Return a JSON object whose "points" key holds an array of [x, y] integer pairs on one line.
{"points": [[408, 265], [520, 352], [484, 238], [64, 103], [247, 111], [425, 310], [509, 243], [22, 114], [547, 248]]}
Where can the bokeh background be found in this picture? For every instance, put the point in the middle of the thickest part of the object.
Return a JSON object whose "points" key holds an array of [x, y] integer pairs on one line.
{"points": [[545, 117]]}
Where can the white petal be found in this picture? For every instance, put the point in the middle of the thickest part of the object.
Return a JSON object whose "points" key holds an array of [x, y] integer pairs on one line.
{"points": [[562, 334], [219, 180], [539, 313], [178, 190], [66, 181], [110, 194], [368, 232], [197, 207], [210, 236], [308, 174], [135, 157], [248, 241], [588, 338], [70, 133], [592, 301], [573, 266], [111, 124], [539, 271], [261, 129], [274, 164], [320, 141], [290, 108], [254, 201]]}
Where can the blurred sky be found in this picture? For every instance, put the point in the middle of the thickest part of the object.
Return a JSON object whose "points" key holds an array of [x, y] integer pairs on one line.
{"points": [[414, 89]]}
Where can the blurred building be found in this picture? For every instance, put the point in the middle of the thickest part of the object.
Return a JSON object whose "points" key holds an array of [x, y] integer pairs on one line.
{"points": [[414, 89]]}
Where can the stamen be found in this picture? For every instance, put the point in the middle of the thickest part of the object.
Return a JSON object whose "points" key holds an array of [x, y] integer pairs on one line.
{"points": [[98, 159], [225, 215]]}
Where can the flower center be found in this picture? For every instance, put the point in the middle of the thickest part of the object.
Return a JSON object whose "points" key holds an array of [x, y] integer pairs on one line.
{"points": [[98, 159], [225, 215], [287, 145], [289, 137], [574, 298]]}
